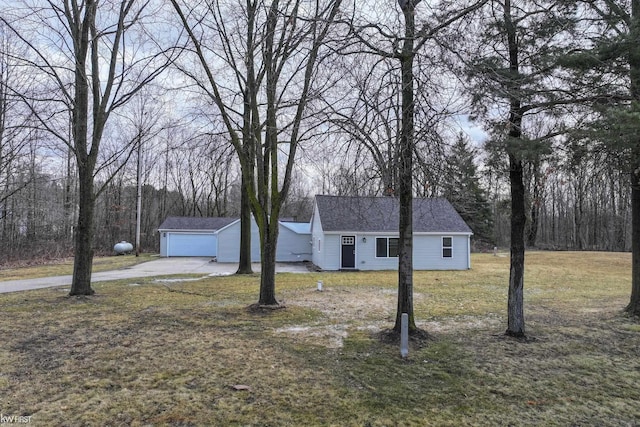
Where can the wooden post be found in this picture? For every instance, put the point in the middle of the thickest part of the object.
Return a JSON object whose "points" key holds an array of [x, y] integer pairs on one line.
{"points": [[404, 336]]}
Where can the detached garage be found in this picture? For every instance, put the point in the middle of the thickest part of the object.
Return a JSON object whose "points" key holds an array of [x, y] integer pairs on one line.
{"points": [[220, 238], [190, 236]]}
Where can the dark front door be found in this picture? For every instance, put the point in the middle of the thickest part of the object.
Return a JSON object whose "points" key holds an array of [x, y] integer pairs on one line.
{"points": [[348, 251]]}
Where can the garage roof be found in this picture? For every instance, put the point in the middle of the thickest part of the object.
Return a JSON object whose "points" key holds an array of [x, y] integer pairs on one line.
{"points": [[184, 223]]}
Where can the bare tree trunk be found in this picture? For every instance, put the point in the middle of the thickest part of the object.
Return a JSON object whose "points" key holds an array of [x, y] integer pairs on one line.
{"points": [[621, 218], [250, 128], [277, 42], [578, 215], [268, 262], [83, 259], [68, 198], [634, 61], [139, 193], [405, 176], [244, 266]]}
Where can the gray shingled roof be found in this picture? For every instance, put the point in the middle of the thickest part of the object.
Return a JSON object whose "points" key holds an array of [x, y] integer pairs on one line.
{"points": [[381, 214], [193, 223]]}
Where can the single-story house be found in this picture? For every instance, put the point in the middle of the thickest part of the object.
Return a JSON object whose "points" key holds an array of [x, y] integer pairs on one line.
{"points": [[345, 233], [220, 238], [361, 233]]}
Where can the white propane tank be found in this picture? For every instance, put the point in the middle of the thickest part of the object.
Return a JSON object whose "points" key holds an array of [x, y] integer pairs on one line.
{"points": [[123, 248]]}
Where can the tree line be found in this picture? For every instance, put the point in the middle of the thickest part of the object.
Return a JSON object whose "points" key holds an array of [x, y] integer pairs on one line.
{"points": [[573, 209]]}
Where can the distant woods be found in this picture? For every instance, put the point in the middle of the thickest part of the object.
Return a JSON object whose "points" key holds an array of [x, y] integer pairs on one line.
{"points": [[579, 205], [187, 178]]}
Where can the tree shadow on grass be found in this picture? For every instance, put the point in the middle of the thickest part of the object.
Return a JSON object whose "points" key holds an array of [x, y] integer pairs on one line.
{"points": [[418, 338], [265, 309]]}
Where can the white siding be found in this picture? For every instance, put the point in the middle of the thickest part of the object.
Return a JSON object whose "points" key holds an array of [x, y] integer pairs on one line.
{"points": [[292, 246], [255, 241], [229, 243], [331, 251], [163, 243], [325, 248], [427, 252], [366, 254], [317, 240]]}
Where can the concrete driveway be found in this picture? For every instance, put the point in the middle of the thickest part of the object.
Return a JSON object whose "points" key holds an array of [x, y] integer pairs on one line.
{"points": [[159, 267]]}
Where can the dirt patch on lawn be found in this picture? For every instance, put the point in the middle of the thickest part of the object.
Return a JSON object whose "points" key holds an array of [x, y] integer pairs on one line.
{"points": [[343, 309], [341, 303], [367, 309]]}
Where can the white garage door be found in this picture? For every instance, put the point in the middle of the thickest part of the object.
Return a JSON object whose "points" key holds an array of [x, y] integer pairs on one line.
{"points": [[191, 244]]}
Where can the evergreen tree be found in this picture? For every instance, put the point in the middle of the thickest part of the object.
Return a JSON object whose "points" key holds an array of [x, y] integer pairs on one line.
{"points": [[516, 75], [608, 63], [462, 188]]}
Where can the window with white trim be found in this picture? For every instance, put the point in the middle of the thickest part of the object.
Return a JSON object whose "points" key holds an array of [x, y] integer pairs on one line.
{"points": [[447, 247], [386, 247]]}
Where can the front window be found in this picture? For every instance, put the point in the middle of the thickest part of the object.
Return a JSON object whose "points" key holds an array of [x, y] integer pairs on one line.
{"points": [[386, 247], [447, 247]]}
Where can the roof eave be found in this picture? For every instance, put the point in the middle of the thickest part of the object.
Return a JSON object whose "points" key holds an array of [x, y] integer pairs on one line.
{"points": [[186, 230], [452, 233]]}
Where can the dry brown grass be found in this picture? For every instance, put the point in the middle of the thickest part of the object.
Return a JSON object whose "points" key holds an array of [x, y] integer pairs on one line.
{"points": [[191, 354], [63, 267]]}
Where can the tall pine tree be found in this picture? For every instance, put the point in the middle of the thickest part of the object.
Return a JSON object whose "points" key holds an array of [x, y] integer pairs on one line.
{"points": [[462, 188], [516, 75], [608, 63]]}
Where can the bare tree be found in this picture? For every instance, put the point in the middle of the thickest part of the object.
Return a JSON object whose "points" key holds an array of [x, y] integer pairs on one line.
{"points": [[14, 120], [272, 52], [93, 67], [366, 112], [380, 40], [18, 145]]}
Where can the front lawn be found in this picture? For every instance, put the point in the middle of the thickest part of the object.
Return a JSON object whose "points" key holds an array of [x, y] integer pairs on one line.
{"points": [[142, 352], [64, 267]]}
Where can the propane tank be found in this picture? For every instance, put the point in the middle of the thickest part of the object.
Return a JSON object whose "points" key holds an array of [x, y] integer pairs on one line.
{"points": [[123, 248]]}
